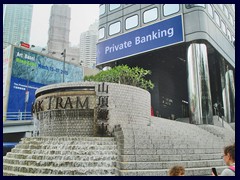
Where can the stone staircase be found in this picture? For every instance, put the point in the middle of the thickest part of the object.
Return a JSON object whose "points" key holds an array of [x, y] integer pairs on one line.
{"points": [[70, 156], [151, 150]]}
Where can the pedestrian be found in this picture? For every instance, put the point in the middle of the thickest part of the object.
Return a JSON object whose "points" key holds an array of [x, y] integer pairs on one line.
{"points": [[177, 171], [229, 159]]}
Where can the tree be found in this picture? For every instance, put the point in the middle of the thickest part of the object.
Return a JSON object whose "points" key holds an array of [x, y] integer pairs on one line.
{"points": [[123, 74]]}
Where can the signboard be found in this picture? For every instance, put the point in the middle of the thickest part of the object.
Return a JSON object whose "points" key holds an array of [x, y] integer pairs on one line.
{"points": [[31, 71], [23, 44], [158, 35], [42, 69], [21, 92]]}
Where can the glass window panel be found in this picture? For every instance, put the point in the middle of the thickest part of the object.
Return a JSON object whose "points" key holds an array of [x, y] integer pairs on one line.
{"points": [[210, 10], [132, 22], [150, 15], [231, 19], [233, 38], [169, 9], [223, 27], [221, 6], [101, 33], [114, 28], [194, 5], [102, 9], [113, 6], [225, 11], [217, 19], [228, 34]]}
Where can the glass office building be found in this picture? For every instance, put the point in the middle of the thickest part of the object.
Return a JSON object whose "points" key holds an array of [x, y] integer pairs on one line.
{"points": [[190, 49], [17, 20]]}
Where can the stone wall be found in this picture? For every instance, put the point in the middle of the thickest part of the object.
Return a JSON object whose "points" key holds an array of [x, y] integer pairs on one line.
{"points": [[126, 105]]}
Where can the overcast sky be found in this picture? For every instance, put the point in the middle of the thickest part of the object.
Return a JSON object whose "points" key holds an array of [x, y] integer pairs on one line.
{"points": [[82, 15]]}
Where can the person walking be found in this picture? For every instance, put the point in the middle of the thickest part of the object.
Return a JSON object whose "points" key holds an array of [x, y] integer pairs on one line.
{"points": [[229, 159]]}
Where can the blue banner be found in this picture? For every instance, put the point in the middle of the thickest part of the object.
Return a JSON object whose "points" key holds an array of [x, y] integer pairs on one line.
{"points": [[17, 94], [158, 35]]}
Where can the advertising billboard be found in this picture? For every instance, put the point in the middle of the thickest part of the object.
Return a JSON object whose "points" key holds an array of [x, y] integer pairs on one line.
{"points": [[19, 90], [158, 35], [42, 69], [32, 70]]}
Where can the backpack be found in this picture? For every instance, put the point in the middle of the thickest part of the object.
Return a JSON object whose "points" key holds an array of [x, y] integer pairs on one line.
{"points": [[232, 168]]}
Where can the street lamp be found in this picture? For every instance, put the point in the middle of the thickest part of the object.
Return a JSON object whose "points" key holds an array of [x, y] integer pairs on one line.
{"points": [[64, 57], [43, 49]]}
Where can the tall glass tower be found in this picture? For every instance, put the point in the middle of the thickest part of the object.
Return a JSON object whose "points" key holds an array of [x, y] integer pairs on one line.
{"points": [[17, 23], [59, 29]]}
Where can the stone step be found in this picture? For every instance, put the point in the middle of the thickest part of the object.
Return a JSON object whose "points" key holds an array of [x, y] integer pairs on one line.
{"points": [[169, 164], [203, 171], [65, 151], [162, 158], [59, 163], [13, 173], [85, 157], [66, 139], [60, 170], [66, 146], [47, 142], [181, 144], [172, 151]]}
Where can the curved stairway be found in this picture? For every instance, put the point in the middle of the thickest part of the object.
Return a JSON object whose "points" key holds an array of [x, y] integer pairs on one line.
{"points": [[151, 150]]}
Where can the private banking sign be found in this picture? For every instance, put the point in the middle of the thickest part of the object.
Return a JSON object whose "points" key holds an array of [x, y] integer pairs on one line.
{"points": [[158, 35]]}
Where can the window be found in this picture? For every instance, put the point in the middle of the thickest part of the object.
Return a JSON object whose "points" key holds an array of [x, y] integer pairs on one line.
{"points": [[233, 38], [223, 27], [114, 28], [101, 33], [231, 19], [150, 15], [228, 34], [169, 9], [225, 11], [217, 19], [102, 9], [188, 6], [221, 6], [113, 6], [131, 22], [210, 10]]}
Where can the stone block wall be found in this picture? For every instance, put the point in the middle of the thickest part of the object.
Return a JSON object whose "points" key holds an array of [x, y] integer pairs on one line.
{"points": [[126, 104]]}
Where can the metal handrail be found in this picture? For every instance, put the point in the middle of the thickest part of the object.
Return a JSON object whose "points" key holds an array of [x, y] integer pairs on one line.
{"points": [[17, 116]]}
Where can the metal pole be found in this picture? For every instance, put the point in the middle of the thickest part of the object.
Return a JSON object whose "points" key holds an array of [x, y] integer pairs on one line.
{"points": [[26, 97], [64, 57]]}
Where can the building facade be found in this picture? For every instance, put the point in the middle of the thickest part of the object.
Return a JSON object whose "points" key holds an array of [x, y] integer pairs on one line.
{"points": [[88, 41], [189, 48], [17, 23]]}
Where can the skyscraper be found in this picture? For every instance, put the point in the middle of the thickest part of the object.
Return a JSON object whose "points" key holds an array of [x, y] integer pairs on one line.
{"points": [[59, 29], [88, 41], [17, 23]]}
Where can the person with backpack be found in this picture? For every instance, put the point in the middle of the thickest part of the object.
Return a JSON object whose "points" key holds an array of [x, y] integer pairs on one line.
{"points": [[229, 159]]}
